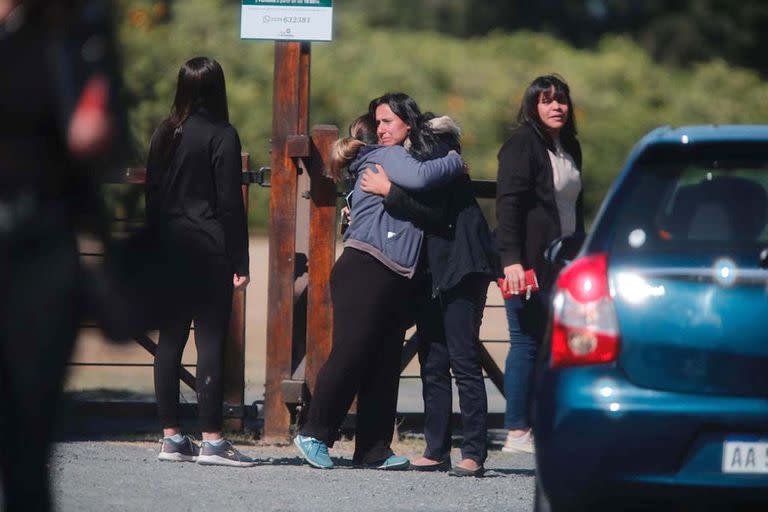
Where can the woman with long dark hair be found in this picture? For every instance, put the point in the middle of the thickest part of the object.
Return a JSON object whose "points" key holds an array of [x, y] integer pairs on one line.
{"points": [[461, 261], [538, 198], [195, 208], [380, 268]]}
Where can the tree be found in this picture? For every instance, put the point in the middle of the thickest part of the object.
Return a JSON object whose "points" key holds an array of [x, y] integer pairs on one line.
{"points": [[677, 32], [620, 92]]}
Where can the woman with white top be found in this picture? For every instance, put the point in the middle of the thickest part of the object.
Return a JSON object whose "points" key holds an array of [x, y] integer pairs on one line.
{"points": [[538, 198]]}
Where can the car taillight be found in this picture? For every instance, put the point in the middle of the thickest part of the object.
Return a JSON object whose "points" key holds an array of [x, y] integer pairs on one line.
{"points": [[585, 329]]}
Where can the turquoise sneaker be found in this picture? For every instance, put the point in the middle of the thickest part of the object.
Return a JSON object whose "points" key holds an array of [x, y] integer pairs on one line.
{"points": [[314, 451], [394, 463]]}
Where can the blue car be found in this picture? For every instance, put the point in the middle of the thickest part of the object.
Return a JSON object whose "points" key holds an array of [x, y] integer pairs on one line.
{"points": [[652, 388]]}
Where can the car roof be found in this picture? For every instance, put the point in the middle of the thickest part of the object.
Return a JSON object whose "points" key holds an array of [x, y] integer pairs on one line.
{"points": [[698, 134], [707, 133]]}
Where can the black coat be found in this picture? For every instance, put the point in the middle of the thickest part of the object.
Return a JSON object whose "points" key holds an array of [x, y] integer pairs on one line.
{"points": [[458, 240], [526, 211], [198, 196]]}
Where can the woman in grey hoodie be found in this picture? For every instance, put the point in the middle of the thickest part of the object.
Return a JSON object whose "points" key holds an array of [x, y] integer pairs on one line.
{"points": [[462, 261], [368, 283]]}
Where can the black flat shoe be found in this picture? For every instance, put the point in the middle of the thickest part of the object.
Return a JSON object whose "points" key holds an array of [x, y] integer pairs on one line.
{"points": [[444, 465], [459, 471]]}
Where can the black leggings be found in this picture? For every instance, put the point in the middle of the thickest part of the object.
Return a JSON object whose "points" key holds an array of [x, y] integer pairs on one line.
{"points": [[370, 305], [211, 312]]}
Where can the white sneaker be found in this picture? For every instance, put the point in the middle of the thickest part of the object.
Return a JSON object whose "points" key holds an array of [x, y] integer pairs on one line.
{"points": [[519, 444]]}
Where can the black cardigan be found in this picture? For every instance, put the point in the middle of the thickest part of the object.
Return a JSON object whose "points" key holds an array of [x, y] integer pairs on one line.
{"points": [[526, 211], [458, 240], [200, 191]]}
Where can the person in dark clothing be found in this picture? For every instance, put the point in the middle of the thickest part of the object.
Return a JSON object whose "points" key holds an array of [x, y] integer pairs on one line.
{"points": [[538, 198], [195, 209], [461, 263], [58, 119]]}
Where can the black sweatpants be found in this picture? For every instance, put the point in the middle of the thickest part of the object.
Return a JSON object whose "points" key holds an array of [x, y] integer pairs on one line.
{"points": [[38, 324], [370, 315], [448, 331], [211, 308]]}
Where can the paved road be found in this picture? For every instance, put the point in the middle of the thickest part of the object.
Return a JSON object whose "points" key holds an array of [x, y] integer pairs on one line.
{"points": [[125, 476]]}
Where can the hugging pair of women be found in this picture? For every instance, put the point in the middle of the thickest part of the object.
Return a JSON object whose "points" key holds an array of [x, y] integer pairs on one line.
{"points": [[418, 249]]}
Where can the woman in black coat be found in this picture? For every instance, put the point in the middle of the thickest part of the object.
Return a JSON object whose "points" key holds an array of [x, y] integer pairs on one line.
{"points": [[195, 208], [538, 199], [461, 262]]}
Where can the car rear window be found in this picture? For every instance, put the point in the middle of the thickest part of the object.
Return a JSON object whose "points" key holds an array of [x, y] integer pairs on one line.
{"points": [[688, 198]]}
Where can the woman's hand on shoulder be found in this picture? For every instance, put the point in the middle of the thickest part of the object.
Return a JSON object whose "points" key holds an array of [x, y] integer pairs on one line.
{"points": [[375, 182], [466, 165], [240, 282]]}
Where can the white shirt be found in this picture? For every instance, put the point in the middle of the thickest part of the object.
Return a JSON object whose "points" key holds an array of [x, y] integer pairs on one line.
{"points": [[567, 180]]}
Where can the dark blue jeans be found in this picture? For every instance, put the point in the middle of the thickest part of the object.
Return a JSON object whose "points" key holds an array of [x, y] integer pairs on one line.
{"points": [[527, 321], [448, 331]]}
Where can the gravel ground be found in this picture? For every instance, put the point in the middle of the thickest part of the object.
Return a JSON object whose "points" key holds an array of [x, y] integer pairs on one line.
{"points": [[112, 476]]}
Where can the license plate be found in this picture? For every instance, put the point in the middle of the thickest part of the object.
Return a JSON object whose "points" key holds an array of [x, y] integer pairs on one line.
{"points": [[745, 457]]}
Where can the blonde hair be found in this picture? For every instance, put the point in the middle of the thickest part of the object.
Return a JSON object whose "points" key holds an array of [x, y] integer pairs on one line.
{"points": [[343, 151]]}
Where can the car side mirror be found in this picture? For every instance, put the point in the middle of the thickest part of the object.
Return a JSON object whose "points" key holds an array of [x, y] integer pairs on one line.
{"points": [[564, 249]]}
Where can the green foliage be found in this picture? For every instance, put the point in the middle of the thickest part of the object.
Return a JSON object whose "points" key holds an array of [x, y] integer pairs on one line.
{"points": [[676, 32], [619, 91]]}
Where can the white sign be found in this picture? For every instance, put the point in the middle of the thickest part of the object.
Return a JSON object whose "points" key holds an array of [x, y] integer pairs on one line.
{"points": [[291, 20]]}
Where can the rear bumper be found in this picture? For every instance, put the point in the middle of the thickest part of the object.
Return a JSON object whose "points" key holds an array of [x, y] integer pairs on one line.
{"points": [[596, 432]]}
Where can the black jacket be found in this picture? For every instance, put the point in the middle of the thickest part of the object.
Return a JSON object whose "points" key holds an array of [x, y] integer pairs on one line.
{"points": [[458, 240], [199, 196], [526, 211]]}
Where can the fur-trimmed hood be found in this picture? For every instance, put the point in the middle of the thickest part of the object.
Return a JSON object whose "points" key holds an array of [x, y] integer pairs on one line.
{"points": [[440, 125], [444, 124]]}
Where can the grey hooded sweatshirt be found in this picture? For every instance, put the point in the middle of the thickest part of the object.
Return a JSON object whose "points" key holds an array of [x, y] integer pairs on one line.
{"points": [[394, 242]]}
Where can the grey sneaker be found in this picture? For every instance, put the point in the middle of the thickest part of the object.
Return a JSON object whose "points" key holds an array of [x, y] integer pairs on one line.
{"points": [[184, 451], [223, 455]]}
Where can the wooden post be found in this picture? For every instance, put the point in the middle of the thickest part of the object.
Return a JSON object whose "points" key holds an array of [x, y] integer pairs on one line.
{"points": [[290, 114], [299, 151], [322, 253], [234, 348]]}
